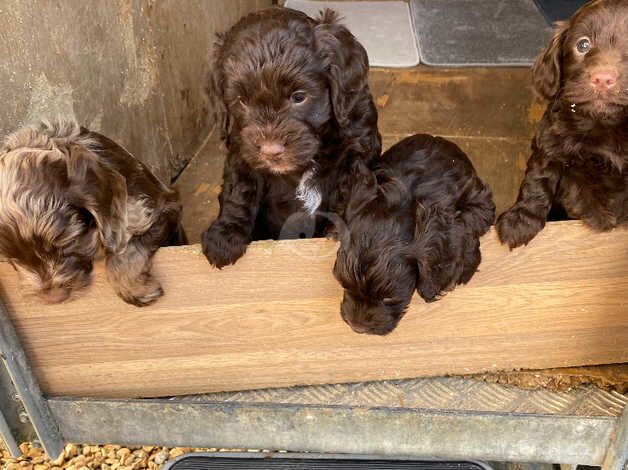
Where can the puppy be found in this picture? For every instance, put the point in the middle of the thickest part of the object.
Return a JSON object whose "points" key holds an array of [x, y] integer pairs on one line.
{"points": [[67, 194], [580, 152], [295, 108], [413, 222]]}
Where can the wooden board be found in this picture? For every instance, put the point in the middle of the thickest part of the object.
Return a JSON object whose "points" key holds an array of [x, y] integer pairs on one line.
{"points": [[273, 320]]}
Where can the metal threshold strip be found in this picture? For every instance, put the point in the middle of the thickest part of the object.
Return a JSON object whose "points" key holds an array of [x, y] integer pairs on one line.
{"points": [[383, 431]]}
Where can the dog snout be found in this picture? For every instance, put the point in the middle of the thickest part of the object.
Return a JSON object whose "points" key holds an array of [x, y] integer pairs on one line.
{"points": [[272, 149], [603, 79], [360, 329], [55, 295]]}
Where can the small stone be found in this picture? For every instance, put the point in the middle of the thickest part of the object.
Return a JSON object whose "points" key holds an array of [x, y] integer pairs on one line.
{"points": [[71, 450], [34, 452], [177, 451], [161, 457], [59, 460]]}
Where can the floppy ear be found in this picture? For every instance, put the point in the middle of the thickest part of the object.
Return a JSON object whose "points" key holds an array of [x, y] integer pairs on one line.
{"points": [[428, 243], [546, 71], [346, 63], [362, 184], [101, 191], [218, 108]]}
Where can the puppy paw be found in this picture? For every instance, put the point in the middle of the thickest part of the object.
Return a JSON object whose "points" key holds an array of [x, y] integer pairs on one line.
{"points": [[219, 250], [144, 292], [518, 226]]}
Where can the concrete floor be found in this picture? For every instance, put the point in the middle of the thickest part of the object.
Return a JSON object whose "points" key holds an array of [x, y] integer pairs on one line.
{"points": [[489, 112]]}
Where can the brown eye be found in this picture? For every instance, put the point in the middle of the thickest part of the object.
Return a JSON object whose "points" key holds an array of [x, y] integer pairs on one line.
{"points": [[298, 97], [583, 45]]}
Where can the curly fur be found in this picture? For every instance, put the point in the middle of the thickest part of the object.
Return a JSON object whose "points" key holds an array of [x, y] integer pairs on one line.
{"points": [[579, 161], [67, 194], [260, 63], [414, 220]]}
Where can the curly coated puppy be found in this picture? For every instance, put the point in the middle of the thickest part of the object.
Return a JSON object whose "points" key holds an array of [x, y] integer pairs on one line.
{"points": [[414, 222], [67, 194], [295, 108], [579, 162]]}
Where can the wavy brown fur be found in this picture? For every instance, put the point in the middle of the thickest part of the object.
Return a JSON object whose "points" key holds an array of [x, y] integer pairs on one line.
{"points": [[67, 194], [260, 63], [579, 162], [414, 222]]}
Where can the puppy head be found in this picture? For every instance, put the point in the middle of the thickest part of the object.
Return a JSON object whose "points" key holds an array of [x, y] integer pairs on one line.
{"points": [[281, 80], [58, 206], [375, 264], [379, 278], [586, 62]]}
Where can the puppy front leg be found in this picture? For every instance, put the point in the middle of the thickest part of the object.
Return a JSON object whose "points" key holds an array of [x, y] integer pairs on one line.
{"points": [[520, 224], [129, 273], [227, 238]]}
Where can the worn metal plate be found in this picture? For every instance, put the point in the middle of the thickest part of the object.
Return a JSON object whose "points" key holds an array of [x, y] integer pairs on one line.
{"points": [[335, 429], [437, 393]]}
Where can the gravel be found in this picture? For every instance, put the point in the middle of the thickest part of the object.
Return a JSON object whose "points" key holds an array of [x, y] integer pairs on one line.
{"points": [[92, 457]]}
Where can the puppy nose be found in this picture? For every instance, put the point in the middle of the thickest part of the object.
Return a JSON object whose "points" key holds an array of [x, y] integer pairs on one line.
{"points": [[272, 149], [55, 295], [604, 79], [359, 328]]}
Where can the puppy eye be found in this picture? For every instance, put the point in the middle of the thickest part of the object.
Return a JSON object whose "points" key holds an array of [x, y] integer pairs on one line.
{"points": [[583, 45], [298, 97]]}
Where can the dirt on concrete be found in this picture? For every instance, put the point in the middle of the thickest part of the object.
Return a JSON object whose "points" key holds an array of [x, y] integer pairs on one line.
{"points": [[607, 377]]}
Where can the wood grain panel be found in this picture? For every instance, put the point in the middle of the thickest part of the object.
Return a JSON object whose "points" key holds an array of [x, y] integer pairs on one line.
{"points": [[273, 320]]}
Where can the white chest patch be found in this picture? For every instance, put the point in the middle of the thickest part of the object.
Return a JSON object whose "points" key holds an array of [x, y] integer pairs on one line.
{"points": [[308, 193]]}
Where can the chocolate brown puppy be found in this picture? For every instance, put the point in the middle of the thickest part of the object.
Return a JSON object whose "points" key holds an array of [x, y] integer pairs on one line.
{"points": [[293, 99], [579, 162], [68, 194], [414, 221]]}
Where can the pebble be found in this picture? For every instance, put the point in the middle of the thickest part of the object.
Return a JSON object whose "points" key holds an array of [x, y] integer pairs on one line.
{"points": [[93, 457]]}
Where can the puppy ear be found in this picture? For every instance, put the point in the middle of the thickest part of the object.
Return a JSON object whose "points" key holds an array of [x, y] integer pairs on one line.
{"points": [[346, 63], [214, 92], [363, 184], [426, 250], [546, 71], [101, 191]]}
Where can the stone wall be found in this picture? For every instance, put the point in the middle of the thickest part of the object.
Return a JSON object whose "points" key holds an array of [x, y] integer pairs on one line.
{"points": [[131, 69]]}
